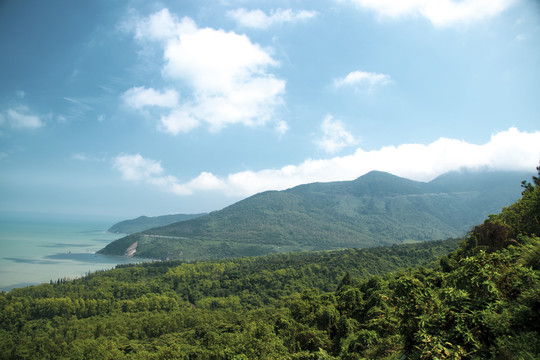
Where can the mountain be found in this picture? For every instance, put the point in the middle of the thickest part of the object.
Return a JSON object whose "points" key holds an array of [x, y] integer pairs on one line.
{"points": [[375, 209], [144, 222], [477, 298]]}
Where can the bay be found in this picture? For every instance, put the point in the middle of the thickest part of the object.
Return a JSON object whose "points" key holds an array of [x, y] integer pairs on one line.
{"points": [[36, 249]]}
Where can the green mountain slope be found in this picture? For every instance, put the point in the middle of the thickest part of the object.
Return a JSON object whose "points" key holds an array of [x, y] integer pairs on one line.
{"points": [[375, 209], [144, 222], [479, 301]]}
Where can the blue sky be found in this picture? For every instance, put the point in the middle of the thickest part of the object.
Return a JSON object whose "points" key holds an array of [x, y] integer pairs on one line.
{"points": [[125, 108]]}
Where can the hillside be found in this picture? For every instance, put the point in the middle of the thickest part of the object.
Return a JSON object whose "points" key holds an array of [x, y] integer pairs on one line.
{"points": [[480, 301], [144, 222], [375, 209]]}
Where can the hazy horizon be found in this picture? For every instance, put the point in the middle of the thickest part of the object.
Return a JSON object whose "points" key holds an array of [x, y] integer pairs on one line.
{"points": [[122, 109]]}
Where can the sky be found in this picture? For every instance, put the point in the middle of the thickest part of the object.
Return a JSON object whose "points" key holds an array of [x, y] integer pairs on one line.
{"points": [[129, 108]]}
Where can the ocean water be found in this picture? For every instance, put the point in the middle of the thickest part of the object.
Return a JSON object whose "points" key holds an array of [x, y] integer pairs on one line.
{"points": [[37, 249]]}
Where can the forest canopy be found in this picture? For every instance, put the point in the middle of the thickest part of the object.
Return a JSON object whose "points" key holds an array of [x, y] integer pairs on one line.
{"points": [[478, 298]]}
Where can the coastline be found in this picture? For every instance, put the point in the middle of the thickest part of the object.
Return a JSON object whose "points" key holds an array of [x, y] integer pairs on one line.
{"points": [[40, 249]]}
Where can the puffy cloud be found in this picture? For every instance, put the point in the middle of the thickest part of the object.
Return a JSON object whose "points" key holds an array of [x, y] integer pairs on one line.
{"points": [[160, 25], [139, 97], [335, 137], [259, 20], [440, 13], [137, 168], [20, 119], [358, 78], [206, 181], [226, 75], [178, 120], [506, 150]]}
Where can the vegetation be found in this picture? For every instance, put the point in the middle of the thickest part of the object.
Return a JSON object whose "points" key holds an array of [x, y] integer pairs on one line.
{"points": [[374, 210], [144, 223], [479, 301], [138, 306]]}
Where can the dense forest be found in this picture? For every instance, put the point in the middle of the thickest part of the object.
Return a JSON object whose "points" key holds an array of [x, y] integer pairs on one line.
{"points": [[476, 299], [376, 209]]}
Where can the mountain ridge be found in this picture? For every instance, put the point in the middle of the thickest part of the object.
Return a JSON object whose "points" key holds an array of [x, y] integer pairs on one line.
{"points": [[375, 209], [143, 222]]}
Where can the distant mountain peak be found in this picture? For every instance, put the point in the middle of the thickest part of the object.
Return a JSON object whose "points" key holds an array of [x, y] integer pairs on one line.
{"points": [[376, 174], [375, 209]]}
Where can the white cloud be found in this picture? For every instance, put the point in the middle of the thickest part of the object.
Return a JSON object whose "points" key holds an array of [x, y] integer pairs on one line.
{"points": [[259, 20], [137, 168], [359, 78], [440, 13], [179, 120], [139, 97], [21, 119], [335, 137], [206, 181], [162, 26], [227, 76], [506, 150]]}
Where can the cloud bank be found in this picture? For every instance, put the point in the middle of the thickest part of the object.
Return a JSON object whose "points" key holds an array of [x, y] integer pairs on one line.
{"points": [[136, 168], [506, 150], [257, 19], [226, 76], [441, 13]]}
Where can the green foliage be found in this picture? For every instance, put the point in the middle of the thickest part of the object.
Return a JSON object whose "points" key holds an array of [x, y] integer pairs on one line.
{"points": [[252, 307], [376, 209], [481, 302]]}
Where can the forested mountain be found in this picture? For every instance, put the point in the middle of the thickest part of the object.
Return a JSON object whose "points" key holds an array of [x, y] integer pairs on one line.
{"points": [[144, 222], [480, 301], [375, 209]]}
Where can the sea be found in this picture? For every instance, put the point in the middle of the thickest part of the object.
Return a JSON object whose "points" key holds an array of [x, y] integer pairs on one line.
{"points": [[38, 248]]}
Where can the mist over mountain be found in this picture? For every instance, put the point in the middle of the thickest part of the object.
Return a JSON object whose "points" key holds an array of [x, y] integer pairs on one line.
{"points": [[375, 209]]}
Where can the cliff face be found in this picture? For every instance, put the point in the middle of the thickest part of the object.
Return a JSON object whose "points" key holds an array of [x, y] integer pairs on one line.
{"points": [[130, 251]]}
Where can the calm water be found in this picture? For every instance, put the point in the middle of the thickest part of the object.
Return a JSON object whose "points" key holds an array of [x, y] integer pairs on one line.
{"points": [[35, 249]]}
